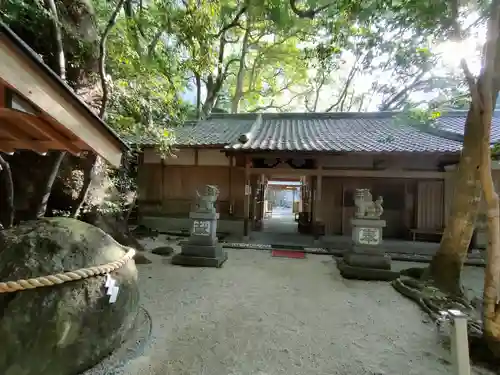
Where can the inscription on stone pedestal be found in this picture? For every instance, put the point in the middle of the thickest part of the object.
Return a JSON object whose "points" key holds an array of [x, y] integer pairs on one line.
{"points": [[201, 228], [368, 236]]}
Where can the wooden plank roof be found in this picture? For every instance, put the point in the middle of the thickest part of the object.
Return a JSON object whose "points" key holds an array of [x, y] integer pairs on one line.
{"points": [[40, 112]]}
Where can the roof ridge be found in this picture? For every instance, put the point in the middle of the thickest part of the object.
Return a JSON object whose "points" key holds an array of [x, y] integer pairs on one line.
{"points": [[247, 137], [330, 115]]}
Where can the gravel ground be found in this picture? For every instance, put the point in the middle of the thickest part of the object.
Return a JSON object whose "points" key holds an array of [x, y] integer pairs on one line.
{"points": [[260, 315]]}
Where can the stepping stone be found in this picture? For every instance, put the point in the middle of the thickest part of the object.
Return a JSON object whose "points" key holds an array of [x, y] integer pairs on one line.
{"points": [[163, 250], [140, 258]]}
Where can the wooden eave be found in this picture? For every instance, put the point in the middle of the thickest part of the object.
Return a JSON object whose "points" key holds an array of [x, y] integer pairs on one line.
{"points": [[58, 119]]}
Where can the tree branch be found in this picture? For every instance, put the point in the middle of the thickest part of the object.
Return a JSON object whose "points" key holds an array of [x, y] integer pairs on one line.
{"points": [[348, 82], [403, 93], [273, 106], [102, 58], [309, 13], [154, 42], [234, 23]]}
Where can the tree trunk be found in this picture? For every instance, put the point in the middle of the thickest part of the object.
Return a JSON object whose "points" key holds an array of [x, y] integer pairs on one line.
{"points": [[238, 91], [446, 265], [8, 219], [87, 180], [487, 94], [92, 158], [491, 319], [209, 104], [61, 57], [39, 205], [197, 78]]}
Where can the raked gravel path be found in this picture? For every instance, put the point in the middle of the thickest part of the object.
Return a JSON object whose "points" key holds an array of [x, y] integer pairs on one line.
{"points": [[260, 315]]}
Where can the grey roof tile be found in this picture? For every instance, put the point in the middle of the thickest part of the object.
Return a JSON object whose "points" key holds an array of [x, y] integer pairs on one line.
{"points": [[455, 124], [212, 131], [328, 132], [344, 132]]}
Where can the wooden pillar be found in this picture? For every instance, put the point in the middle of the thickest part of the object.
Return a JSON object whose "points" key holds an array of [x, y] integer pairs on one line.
{"points": [[259, 214], [254, 184], [246, 220], [318, 225], [163, 193], [230, 192]]}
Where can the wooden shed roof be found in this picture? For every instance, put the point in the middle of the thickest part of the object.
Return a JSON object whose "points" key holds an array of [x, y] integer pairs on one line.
{"points": [[40, 112]]}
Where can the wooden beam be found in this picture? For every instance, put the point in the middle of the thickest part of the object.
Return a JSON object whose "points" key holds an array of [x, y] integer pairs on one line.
{"points": [[349, 173], [45, 128], [57, 141], [22, 141], [25, 77], [24, 145], [6, 149], [385, 174], [283, 172]]}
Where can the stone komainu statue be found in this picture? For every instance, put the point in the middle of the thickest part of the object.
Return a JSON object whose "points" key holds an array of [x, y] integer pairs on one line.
{"points": [[365, 206], [207, 199]]}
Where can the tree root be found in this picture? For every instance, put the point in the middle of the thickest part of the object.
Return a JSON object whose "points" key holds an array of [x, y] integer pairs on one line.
{"points": [[434, 302]]}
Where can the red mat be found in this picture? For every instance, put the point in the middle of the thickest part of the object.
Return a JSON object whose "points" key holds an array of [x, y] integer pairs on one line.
{"points": [[288, 254]]}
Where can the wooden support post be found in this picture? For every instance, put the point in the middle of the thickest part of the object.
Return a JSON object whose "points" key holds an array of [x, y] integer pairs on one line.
{"points": [[260, 200], [318, 226], [230, 192], [246, 220], [254, 183]]}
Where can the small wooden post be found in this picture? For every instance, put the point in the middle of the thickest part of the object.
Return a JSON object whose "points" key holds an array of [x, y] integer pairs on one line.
{"points": [[459, 343]]}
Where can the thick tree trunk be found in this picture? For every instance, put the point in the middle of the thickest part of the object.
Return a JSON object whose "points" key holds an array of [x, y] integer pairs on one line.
{"points": [[8, 219], [491, 293], [39, 205], [88, 173], [446, 265], [209, 104]]}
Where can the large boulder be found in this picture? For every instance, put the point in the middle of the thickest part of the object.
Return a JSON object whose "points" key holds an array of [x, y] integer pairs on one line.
{"points": [[67, 328]]}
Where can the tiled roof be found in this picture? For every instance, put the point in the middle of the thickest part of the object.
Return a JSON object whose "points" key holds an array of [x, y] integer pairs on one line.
{"points": [[328, 132], [455, 123], [344, 132], [213, 131]]}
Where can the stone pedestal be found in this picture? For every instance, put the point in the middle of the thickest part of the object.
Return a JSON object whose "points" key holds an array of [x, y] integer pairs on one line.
{"points": [[202, 249], [366, 259]]}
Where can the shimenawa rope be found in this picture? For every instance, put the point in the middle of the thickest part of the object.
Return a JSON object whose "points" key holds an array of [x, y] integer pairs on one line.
{"points": [[61, 278]]}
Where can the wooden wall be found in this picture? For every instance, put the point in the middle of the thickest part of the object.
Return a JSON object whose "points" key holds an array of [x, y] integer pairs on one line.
{"points": [[430, 204], [407, 204], [169, 187]]}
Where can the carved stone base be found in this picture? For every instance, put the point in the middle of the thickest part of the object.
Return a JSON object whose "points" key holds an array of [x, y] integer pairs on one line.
{"points": [[376, 261], [207, 251], [196, 261], [364, 273]]}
